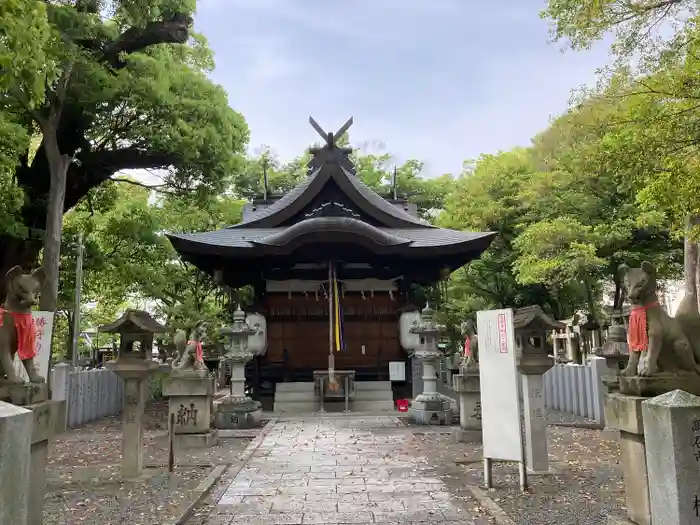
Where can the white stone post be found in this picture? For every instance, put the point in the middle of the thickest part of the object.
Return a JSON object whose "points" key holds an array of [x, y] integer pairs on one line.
{"points": [[535, 424], [16, 437], [60, 392], [599, 369], [672, 432]]}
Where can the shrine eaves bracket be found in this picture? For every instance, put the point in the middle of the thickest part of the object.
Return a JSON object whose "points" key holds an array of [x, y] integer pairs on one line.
{"points": [[330, 137]]}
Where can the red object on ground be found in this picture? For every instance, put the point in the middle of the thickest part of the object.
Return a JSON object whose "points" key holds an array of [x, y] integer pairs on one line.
{"points": [[402, 405]]}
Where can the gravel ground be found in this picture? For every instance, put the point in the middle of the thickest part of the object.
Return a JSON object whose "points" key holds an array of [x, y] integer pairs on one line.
{"points": [[586, 485], [84, 483]]}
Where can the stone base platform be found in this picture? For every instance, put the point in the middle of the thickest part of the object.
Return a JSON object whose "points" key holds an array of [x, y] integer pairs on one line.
{"points": [[659, 384], [232, 415], [462, 435], [190, 441], [430, 413], [29, 393]]}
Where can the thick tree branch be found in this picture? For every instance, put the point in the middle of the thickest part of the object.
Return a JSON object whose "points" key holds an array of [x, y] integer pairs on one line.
{"points": [[155, 187], [96, 167], [173, 31]]}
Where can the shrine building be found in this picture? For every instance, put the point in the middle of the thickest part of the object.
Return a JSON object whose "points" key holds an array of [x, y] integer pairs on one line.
{"points": [[329, 237]]}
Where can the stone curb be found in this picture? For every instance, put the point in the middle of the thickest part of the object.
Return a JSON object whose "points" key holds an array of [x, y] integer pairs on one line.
{"points": [[496, 512], [577, 424], [217, 472]]}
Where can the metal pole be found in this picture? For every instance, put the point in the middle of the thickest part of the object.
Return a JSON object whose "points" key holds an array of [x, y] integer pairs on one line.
{"points": [[171, 437], [78, 293], [321, 409], [522, 471], [347, 393], [487, 473], [331, 360]]}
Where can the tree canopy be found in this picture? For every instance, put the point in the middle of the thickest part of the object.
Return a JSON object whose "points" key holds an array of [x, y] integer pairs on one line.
{"points": [[114, 85], [119, 85]]}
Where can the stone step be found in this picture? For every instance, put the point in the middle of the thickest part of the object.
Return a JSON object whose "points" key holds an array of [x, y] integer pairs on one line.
{"points": [[373, 385], [372, 406], [295, 396], [334, 406], [307, 386], [373, 395], [296, 407]]}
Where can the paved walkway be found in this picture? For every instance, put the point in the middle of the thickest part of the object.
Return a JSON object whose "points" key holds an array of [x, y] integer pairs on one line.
{"points": [[341, 470]]}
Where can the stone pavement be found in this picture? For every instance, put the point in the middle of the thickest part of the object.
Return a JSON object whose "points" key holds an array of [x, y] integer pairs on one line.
{"points": [[336, 470]]}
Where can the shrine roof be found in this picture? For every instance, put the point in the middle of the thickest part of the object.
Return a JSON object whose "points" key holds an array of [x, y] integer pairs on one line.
{"points": [[242, 238], [363, 196], [334, 209]]}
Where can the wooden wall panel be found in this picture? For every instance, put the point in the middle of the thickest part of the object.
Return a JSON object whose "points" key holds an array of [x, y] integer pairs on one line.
{"points": [[299, 324]]}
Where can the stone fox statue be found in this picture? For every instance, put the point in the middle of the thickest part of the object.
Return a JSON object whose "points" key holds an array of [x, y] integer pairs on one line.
{"points": [[189, 351], [471, 344], [663, 341], [17, 328]]}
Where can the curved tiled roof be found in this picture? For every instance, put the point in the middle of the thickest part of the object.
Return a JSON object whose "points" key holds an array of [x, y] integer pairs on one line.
{"points": [[248, 237], [363, 196]]}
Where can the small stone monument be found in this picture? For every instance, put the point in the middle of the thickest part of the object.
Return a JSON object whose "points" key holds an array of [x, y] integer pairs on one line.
{"points": [[33, 397], [190, 390], [237, 410], [624, 413], [429, 407], [467, 385], [530, 325], [135, 365], [15, 436], [672, 432]]}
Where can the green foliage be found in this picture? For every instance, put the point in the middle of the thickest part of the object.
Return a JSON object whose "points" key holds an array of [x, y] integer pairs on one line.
{"points": [[25, 66], [637, 25], [128, 257], [123, 84]]}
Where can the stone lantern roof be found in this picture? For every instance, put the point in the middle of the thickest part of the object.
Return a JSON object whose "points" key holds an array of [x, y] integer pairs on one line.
{"points": [[134, 321]]}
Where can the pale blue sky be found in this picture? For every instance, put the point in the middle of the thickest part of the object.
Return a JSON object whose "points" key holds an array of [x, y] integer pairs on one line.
{"points": [[437, 80]]}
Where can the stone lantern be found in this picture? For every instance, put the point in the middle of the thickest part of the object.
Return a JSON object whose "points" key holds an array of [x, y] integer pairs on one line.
{"points": [[429, 407], [134, 364], [530, 326], [237, 410], [616, 352]]}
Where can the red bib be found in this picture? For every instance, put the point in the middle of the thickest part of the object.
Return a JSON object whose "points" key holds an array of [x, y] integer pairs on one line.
{"points": [[638, 336], [26, 333]]}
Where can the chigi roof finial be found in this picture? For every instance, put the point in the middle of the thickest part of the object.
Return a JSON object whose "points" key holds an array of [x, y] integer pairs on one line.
{"points": [[330, 137]]}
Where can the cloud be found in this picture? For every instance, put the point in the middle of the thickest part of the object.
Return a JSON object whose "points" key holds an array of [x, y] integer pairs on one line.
{"points": [[437, 80]]}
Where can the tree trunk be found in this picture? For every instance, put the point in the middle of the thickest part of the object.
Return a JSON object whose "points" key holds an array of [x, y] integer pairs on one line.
{"points": [[58, 166], [69, 337], [690, 261]]}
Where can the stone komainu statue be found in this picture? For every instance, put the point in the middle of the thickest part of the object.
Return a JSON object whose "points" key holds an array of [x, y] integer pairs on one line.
{"points": [[666, 344], [189, 351], [17, 328], [471, 344]]}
